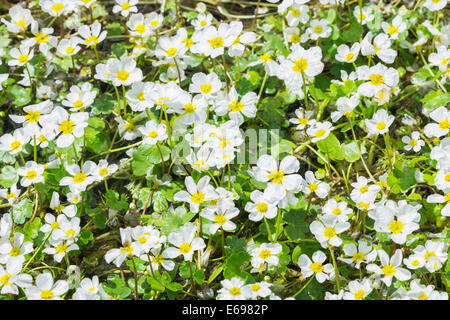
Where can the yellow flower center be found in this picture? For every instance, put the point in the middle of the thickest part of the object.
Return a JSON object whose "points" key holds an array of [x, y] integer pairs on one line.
{"points": [[206, 88], [303, 121], [255, 287], [300, 65], [78, 104], [295, 38], [364, 189], [447, 197], [10, 195], [429, 254], [127, 249], [381, 126], [262, 207], [47, 295], [140, 28], [158, 258], [336, 211], [31, 174], [15, 145], [41, 37], [142, 240], [14, 252], [359, 295], [172, 52], [93, 40], [67, 127], [57, 7], [296, 13], [316, 267], [444, 125], [359, 256], [413, 142], [236, 106], [220, 219], [154, 23], [235, 291], [276, 176], [265, 253], [313, 187], [423, 296], [70, 50], [54, 225], [123, 75], [62, 248], [189, 108], [126, 6], [185, 247], [265, 57], [79, 177], [198, 197], [388, 270], [329, 232], [153, 134], [320, 133], [376, 79], [103, 171], [396, 227], [23, 58], [392, 30], [216, 43], [318, 29], [70, 233], [188, 42], [447, 177], [203, 23], [349, 56], [5, 278]]}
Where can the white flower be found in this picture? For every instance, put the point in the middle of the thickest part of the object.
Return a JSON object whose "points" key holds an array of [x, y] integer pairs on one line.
{"points": [[258, 289], [281, 178], [434, 253], [123, 72], [266, 253], [442, 116], [232, 289], [398, 219], [11, 278], [315, 267], [423, 292], [236, 108], [80, 177], [12, 252], [440, 58], [377, 78], [346, 54], [69, 47], [312, 185], [125, 7], [21, 18], [60, 248], [434, 5], [153, 132], [221, 218], [89, 289], [196, 194], [264, 205], [185, 243], [337, 209], [207, 85], [319, 130], [31, 173], [68, 126], [437, 198], [327, 231], [319, 29], [46, 288], [394, 28], [363, 15], [380, 122], [303, 118], [92, 35], [20, 56], [381, 47], [391, 267], [363, 254], [358, 290], [414, 142], [10, 195]]}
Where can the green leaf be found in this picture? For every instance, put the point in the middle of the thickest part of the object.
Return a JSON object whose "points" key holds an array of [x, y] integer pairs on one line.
{"points": [[354, 33], [350, 151], [22, 211], [100, 221], [31, 229], [297, 227], [104, 104], [21, 96], [236, 244], [112, 199], [331, 147], [99, 143], [435, 99], [8, 177], [173, 221], [199, 276]]}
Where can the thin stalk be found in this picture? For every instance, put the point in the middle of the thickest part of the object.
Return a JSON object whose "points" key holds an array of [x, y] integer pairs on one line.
{"points": [[268, 230], [336, 270], [304, 287], [136, 294]]}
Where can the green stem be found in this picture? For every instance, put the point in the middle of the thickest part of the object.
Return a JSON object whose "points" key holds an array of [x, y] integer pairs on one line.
{"points": [[336, 270], [303, 288], [268, 230]]}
